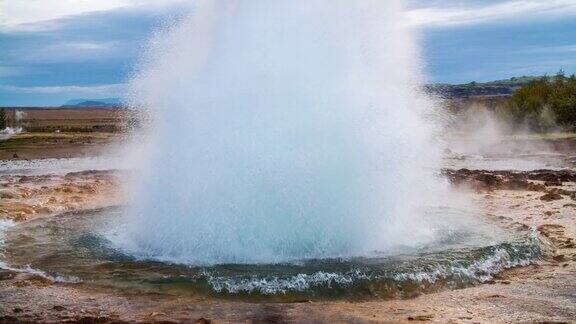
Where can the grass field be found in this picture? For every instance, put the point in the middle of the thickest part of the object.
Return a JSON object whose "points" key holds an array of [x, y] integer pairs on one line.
{"points": [[69, 119]]}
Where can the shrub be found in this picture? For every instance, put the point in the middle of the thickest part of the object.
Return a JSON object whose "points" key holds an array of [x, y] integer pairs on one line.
{"points": [[544, 103], [3, 121]]}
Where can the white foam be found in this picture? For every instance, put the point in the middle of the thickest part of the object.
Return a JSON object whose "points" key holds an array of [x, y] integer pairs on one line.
{"points": [[482, 270], [276, 285], [29, 270]]}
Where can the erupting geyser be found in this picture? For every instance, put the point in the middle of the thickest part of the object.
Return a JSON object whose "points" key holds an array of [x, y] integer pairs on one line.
{"points": [[282, 130]]}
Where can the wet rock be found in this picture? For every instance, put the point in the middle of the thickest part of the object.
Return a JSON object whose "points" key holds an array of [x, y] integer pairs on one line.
{"points": [[421, 318], [488, 180], [551, 196], [155, 314], [7, 275], [10, 319], [95, 320], [559, 258], [25, 179], [563, 192], [36, 281], [515, 184], [556, 183], [550, 228], [203, 320], [42, 210], [19, 217], [535, 187], [92, 174], [513, 180], [304, 301], [553, 175], [66, 190], [6, 194], [523, 227]]}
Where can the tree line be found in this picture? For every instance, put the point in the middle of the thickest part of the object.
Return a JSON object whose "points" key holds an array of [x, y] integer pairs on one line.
{"points": [[3, 119], [544, 104]]}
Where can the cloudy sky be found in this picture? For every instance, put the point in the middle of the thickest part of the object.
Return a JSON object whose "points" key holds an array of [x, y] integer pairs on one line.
{"points": [[55, 50]]}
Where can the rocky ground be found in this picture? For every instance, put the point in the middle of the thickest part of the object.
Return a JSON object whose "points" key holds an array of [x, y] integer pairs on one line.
{"points": [[25, 197], [545, 292]]}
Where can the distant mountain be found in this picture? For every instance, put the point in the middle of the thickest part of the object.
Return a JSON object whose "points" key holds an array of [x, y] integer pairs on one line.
{"points": [[448, 91], [474, 89], [102, 103]]}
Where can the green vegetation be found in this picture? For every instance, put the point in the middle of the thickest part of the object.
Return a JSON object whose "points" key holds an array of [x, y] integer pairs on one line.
{"points": [[544, 103], [3, 122], [13, 142], [44, 140]]}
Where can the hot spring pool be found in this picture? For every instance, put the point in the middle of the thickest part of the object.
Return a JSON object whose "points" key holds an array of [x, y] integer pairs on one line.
{"points": [[75, 248]]}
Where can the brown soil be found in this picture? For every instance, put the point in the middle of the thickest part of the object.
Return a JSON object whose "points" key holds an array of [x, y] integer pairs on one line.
{"points": [[68, 119], [27, 146], [64, 133]]}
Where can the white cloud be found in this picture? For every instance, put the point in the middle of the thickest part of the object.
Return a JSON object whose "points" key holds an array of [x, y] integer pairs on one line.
{"points": [[16, 12], [19, 13], [99, 90], [72, 52], [512, 10], [23, 14]]}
